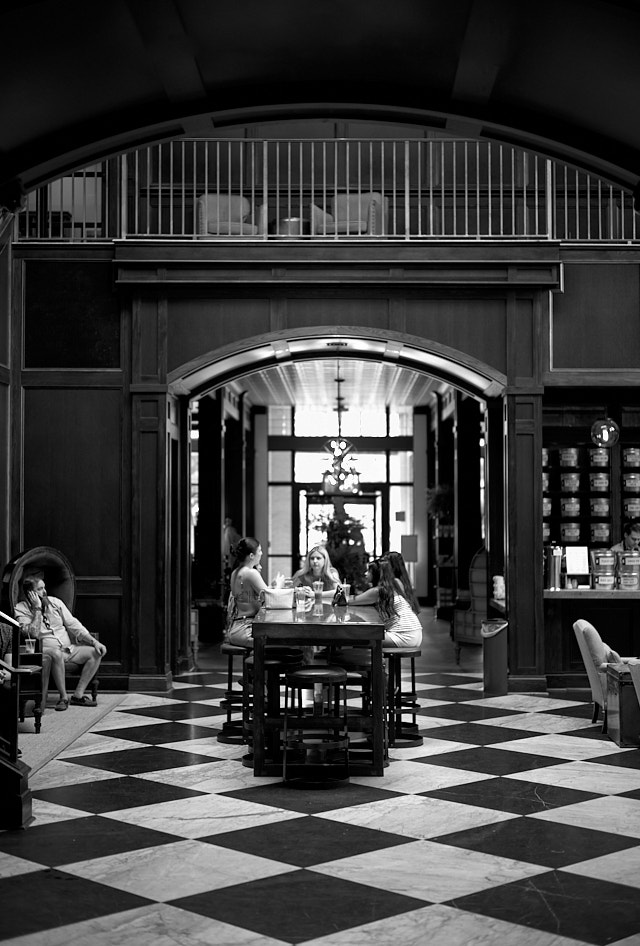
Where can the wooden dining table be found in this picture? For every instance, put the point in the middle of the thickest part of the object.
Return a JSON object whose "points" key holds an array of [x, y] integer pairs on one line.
{"points": [[325, 626]]}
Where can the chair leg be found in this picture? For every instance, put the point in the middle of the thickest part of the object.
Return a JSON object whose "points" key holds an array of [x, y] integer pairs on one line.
{"points": [[596, 712]]}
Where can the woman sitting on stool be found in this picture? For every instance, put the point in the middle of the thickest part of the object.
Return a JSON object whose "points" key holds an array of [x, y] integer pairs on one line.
{"points": [[402, 627], [247, 592]]}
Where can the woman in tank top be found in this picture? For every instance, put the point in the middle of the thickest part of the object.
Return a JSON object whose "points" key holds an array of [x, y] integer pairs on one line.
{"points": [[247, 592]]}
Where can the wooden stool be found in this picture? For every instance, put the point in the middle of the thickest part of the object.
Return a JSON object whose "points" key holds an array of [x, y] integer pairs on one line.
{"points": [[357, 662], [233, 698], [402, 734], [278, 661], [313, 736]]}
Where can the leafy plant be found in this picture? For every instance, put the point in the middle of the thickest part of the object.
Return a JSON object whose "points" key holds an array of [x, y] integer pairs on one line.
{"points": [[345, 546]]}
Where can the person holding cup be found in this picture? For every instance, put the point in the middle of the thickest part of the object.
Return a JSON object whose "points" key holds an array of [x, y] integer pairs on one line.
{"points": [[317, 568]]}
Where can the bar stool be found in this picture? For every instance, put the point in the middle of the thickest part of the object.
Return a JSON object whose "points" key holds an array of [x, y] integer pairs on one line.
{"points": [[402, 734], [316, 740], [231, 731], [278, 661], [357, 662]]}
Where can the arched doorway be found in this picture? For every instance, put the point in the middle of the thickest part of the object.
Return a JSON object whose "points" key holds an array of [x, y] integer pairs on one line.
{"points": [[236, 368]]}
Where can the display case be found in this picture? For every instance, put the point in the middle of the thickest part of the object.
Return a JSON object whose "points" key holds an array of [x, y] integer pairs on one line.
{"points": [[578, 486]]}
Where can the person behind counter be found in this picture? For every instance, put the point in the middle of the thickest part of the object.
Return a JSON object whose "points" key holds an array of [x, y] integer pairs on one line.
{"points": [[247, 592], [630, 537], [317, 567], [402, 626]]}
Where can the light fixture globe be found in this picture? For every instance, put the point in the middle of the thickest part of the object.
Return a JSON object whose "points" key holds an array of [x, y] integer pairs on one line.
{"points": [[605, 432]]}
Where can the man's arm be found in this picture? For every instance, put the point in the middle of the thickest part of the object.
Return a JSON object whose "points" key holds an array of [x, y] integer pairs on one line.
{"points": [[77, 631], [28, 620]]}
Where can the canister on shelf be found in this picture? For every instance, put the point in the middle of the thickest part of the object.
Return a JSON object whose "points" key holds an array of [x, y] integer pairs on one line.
{"points": [[631, 456], [629, 570], [599, 482], [570, 482], [600, 532], [631, 508], [604, 582], [546, 532], [545, 457], [570, 506], [631, 482], [599, 457], [546, 506], [570, 531], [603, 561], [569, 456], [545, 482], [599, 506]]}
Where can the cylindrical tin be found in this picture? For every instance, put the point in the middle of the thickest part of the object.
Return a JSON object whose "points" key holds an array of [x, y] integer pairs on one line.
{"points": [[603, 561], [599, 482], [604, 582], [629, 581], [570, 507], [570, 482], [545, 457], [631, 482], [546, 506], [600, 532], [569, 456], [631, 456], [570, 531], [599, 457], [629, 570], [631, 508], [546, 531], [599, 507], [545, 482]]}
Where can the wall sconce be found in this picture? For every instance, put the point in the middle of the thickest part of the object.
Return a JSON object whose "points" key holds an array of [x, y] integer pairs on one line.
{"points": [[605, 433]]}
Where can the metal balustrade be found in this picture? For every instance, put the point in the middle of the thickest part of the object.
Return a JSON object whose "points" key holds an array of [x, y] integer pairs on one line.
{"points": [[340, 190]]}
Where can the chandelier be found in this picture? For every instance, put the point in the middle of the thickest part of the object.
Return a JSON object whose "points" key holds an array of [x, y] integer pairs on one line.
{"points": [[343, 476]]}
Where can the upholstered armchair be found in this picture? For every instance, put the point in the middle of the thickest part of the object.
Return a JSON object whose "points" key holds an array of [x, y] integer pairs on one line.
{"points": [[596, 655], [467, 621], [225, 215], [352, 215]]}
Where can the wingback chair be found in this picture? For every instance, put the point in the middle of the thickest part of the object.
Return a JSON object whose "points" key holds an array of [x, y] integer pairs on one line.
{"points": [[352, 214], [56, 572], [595, 655], [467, 624], [229, 215]]}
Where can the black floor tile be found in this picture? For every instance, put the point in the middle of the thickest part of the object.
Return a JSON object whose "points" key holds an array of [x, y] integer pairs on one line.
{"points": [[464, 712], [113, 794], [135, 761], [545, 843], [490, 761], [183, 710], [81, 839], [564, 904], [312, 801], [47, 899], [307, 841], [449, 680], [192, 694], [475, 733], [513, 795], [156, 734], [579, 710], [298, 906], [626, 760], [450, 694]]}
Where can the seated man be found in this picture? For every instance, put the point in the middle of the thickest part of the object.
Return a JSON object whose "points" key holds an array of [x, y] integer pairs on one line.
{"points": [[63, 638]]}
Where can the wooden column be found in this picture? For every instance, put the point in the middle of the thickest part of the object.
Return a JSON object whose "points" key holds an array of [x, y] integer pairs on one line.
{"points": [[524, 572]]}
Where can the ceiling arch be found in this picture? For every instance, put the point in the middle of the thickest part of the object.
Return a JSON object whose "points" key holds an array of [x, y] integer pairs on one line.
{"points": [[443, 364], [87, 79]]}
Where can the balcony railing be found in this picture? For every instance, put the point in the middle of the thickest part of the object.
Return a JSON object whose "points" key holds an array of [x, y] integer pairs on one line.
{"points": [[341, 190]]}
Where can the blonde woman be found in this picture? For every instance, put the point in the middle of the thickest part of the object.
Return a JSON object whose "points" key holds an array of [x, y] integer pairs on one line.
{"points": [[317, 567]]}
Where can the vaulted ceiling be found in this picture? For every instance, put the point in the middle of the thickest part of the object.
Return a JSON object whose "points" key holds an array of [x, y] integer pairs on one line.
{"points": [[84, 79]]}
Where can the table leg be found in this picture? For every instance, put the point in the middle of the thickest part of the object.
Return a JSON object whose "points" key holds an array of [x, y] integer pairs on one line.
{"points": [[258, 706], [378, 700]]}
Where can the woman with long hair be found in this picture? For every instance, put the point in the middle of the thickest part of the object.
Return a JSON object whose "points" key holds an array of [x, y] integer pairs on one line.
{"points": [[402, 627], [247, 592], [400, 572], [317, 567]]}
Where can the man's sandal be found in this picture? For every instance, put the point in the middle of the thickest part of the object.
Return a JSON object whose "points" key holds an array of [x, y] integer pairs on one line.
{"points": [[61, 706], [83, 701]]}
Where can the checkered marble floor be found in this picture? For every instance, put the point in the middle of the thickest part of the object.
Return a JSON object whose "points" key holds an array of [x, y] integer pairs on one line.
{"points": [[516, 822]]}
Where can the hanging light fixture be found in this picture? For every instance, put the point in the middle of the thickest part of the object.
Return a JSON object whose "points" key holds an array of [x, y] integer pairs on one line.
{"points": [[605, 432], [343, 476]]}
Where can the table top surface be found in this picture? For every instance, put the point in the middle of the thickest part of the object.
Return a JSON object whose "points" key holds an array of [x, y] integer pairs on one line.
{"points": [[357, 622]]}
